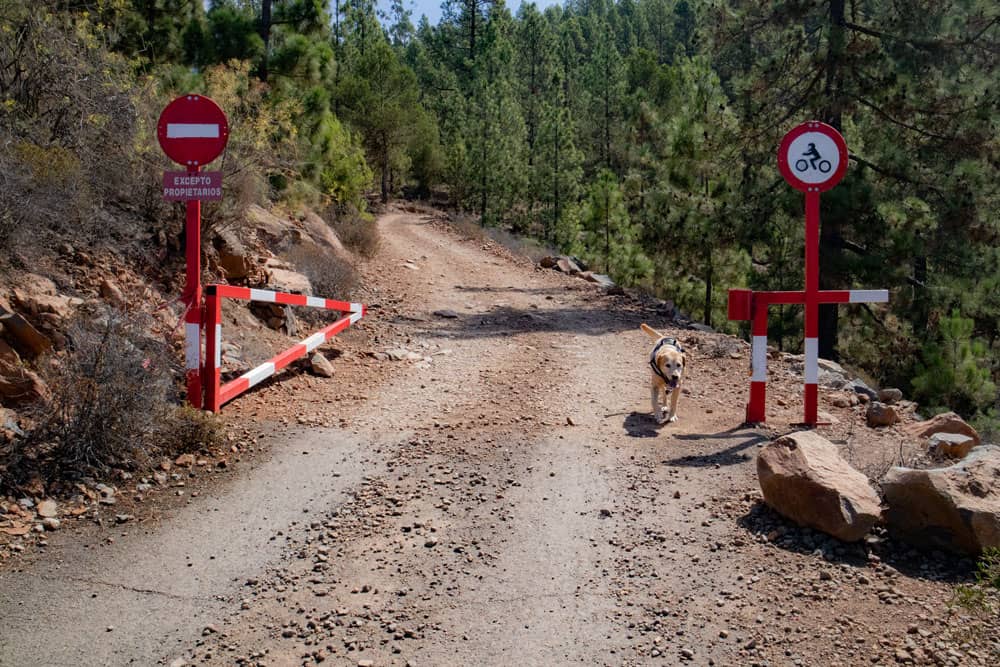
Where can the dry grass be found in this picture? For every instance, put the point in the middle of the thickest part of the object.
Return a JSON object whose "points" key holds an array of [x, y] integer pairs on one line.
{"points": [[113, 405], [357, 231]]}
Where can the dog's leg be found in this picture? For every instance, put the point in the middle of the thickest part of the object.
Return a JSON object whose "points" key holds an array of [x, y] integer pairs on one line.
{"points": [[654, 397], [674, 396]]}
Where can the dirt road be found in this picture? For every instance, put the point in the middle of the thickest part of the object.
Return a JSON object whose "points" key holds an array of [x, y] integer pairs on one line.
{"points": [[500, 498]]}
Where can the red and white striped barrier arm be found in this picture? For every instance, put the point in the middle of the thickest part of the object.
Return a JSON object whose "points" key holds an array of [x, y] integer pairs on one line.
{"points": [[758, 350], [216, 395]]}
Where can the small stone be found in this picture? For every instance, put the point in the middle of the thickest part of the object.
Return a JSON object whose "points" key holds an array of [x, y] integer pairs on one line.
{"points": [[687, 654], [185, 460], [321, 366], [447, 314], [48, 508], [179, 662], [431, 542], [570, 421], [210, 630], [880, 414], [890, 395], [366, 663], [50, 523]]}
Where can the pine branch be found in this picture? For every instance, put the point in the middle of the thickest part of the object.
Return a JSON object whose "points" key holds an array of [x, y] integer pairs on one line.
{"points": [[899, 176], [928, 45], [896, 121]]}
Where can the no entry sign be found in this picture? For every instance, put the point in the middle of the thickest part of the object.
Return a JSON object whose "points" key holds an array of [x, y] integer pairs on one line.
{"points": [[813, 157], [192, 130]]}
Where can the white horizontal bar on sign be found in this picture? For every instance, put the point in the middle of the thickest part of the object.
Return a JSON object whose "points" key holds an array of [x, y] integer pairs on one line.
{"points": [[315, 302], [192, 130], [869, 295]]}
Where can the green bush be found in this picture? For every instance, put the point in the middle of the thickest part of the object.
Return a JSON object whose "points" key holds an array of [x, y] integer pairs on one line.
{"points": [[955, 371]]}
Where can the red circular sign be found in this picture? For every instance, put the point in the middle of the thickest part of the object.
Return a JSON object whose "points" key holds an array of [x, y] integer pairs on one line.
{"points": [[192, 130], [813, 157]]}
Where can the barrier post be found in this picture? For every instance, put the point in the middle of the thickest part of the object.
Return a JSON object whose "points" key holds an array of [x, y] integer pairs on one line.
{"points": [[213, 348], [758, 361]]}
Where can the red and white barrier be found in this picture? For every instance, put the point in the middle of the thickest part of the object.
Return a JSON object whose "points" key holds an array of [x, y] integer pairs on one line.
{"points": [[216, 395], [748, 305]]}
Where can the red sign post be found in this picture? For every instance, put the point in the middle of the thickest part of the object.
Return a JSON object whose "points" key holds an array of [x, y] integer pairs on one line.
{"points": [[193, 131], [812, 158]]}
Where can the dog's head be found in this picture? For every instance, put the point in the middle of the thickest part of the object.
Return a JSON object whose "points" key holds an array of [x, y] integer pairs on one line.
{"points": [[669, 362]]}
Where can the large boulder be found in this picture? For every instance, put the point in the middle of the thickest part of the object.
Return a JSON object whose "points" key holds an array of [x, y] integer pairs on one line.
{"points": [[28, 340], [281, 278], [323, 235], [952, 445], [39, 297], [955, 508], [270, 227], [804, 479], [233, 256], [947, 422]]}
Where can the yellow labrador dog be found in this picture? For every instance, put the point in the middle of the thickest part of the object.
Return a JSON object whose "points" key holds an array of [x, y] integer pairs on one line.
{"points": [[667, 363]]}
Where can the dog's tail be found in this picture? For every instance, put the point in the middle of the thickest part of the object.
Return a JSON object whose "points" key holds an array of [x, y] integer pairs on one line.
{"points": [[650, 331]]}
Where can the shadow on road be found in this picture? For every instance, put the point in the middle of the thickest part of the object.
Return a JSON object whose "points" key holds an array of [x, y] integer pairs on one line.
{"points": [[505, 321], [641, 425], [933, 565], [733, 455]]}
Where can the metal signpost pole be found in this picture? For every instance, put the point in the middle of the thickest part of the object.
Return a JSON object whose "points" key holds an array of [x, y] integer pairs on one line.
{"points": [[811, 343], [192, 299]]}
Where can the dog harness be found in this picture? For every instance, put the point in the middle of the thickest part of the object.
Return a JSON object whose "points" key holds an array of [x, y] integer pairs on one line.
{"points": [[672, 342]]}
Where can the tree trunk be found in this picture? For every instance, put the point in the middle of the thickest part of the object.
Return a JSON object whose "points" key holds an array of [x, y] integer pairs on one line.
{"points": [[385, 169], [708, 290], [832, 225], [555, 186], [607, 234], [265, 35]]}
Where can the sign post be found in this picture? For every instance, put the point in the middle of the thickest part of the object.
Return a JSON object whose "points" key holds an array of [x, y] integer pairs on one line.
{"points": [[192, 131], [813, 159]]}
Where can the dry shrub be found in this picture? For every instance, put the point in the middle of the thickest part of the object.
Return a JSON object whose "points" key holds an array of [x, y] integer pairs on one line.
{"points": [[331, 276], [67, 124], [356, 230], [112, 404], [186, 429], [466, 226]]}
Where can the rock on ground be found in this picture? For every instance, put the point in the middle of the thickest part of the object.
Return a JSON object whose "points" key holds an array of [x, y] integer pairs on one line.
{"points": [[947, 422], [321, 366], [804, 479], [955, 508], [880, 414], [952, 445]]}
